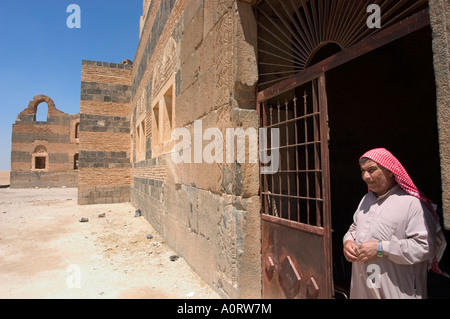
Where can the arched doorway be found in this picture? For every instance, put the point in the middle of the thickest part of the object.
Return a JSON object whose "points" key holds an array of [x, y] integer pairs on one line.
{"points": [[361, 88], [386, 98]]}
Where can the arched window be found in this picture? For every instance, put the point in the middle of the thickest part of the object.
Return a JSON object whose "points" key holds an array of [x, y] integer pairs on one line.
{"points": [[77, 130], [42, 112]]}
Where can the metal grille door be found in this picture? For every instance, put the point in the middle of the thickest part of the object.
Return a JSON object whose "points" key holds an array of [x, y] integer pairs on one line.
{"points": [[295, 200]]}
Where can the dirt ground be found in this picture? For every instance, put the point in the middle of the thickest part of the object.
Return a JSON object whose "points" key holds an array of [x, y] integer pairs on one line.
{"points": [[46, 252]]}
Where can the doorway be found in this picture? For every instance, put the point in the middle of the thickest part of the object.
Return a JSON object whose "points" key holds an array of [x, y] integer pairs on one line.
{"points": [[378, 90], [386, 98]]}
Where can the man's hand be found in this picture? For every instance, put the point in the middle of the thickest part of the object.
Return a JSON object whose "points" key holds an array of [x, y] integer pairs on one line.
{"points": [[367, 251], [363, 252], [350, 252]]}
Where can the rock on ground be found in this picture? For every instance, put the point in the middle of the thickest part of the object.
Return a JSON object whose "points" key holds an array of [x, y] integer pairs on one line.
{"points": [[46, 252]]}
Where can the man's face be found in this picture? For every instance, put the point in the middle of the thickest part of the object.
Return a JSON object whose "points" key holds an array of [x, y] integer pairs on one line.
{"points": [[378, 179]]}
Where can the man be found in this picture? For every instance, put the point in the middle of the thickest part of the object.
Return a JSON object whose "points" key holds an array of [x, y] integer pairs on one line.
{"points": [[392, 241]]}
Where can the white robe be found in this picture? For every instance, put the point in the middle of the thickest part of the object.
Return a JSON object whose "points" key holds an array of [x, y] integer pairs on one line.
{"points": [[405, 227]]}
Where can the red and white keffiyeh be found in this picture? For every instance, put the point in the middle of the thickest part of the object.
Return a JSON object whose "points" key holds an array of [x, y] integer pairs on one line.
{"points": [[384, 158]]}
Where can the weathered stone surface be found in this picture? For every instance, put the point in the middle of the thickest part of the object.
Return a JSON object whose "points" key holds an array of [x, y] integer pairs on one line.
{"points": [[203, 210], [104, 169], [440, 23]]}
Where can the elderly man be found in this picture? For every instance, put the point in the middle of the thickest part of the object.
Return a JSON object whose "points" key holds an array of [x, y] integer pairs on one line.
{"points": [[392, 241]]}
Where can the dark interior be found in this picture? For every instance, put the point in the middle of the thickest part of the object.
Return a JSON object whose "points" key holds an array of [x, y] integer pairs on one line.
{"points": [[386, 98]]}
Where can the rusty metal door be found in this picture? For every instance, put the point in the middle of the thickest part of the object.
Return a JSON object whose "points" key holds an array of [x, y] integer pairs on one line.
{"points": [[295, 201]]}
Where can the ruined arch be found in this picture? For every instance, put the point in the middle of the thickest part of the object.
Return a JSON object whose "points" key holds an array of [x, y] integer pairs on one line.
{"points": [[37, 100], [29, 114], [41, 113]]}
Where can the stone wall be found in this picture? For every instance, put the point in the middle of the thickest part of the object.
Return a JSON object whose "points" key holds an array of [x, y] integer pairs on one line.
{"points": [[440, 23], [43, 153], [196, 61], [104, 169], [44, 179]]}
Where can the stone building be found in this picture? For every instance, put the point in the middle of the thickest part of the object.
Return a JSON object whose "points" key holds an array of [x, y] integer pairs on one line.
{"points": [[335, 77], [44, 153], [105, 147], [332, 77]]}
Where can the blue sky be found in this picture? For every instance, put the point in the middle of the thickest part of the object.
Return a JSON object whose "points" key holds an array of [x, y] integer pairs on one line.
{"points": [[40, 54]]}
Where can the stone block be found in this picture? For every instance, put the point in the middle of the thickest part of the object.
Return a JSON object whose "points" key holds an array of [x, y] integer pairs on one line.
{"points": [[248, 171], [209, 205], [250, 255], [246, 44], [193, 29], [197, 100], [207, 52], [181, 204], [190, 70]]}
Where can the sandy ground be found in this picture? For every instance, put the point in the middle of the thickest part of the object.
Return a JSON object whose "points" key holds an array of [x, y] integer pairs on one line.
{"points": [[46, 252]]}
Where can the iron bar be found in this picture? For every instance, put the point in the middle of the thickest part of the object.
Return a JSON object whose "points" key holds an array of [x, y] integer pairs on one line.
{"points": [[296, 160], [272, 175], [317, 157], [300, 60], [279, 175], [294, 35], [287, 160], [282, 32], [303, 117], [299, 31], [305, 111], [294, 145], [357, 17], [318, 199]]}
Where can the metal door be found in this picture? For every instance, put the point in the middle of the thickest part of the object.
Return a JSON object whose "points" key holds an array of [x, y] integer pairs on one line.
{"points": [[295, 201]]}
